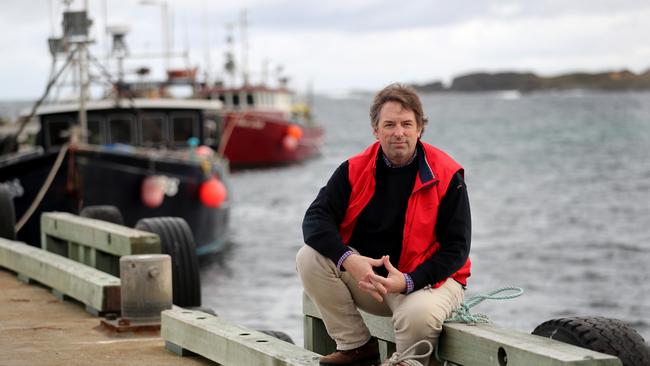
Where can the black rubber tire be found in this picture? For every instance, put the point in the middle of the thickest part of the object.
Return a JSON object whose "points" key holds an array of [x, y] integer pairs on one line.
{"points": [[176, 239], [599, 334], [104, 213], [279, 335], [7, 215]]}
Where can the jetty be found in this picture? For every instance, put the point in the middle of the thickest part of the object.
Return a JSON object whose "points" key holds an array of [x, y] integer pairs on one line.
{"points": [[55, 305]]}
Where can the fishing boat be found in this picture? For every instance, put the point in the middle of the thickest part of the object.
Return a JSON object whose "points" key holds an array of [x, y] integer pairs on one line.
{"points": [[262, 127], [143, 157], [264, 124]]}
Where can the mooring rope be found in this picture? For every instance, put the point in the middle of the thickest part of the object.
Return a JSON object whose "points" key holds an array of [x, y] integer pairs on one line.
{"points": [[462, 314], [44, 188]]}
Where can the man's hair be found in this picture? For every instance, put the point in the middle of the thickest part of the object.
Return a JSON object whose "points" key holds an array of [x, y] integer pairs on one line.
{"points": [[402, 94]]}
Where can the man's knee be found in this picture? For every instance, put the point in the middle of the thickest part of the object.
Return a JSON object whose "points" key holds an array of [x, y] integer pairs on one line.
{"points": [[420, 321], [305, 257], [309, 261]]}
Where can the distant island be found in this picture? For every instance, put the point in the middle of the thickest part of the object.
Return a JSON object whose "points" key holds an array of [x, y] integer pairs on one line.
{"points": [[528, 82]]}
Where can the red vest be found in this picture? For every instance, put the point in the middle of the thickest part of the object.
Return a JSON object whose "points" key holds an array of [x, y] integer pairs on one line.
{"points": [[419, 240]]}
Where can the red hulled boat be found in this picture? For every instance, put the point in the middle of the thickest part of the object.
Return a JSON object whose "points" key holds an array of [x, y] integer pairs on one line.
{"points": [[263, 127]]}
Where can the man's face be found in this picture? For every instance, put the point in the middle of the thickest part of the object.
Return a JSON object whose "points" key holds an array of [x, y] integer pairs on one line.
{"points": [[397, 132]]}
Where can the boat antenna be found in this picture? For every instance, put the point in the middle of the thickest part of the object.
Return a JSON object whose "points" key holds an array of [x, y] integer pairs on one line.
{"points": [[229, 65], [120, 51], [244, 46], [206, 40], [75, 32]]}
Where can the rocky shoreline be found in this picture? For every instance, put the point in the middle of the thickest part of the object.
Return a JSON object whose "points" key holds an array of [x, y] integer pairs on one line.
{"points": [[623, 80]]}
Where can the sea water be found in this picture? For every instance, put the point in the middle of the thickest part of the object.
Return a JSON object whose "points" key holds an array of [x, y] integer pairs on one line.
{"points": [[559, 185]]}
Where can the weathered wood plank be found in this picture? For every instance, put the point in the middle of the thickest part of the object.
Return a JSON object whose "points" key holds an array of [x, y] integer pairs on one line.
{"points": [[94, 288], [379, 326], [483, 344], [487, 344], [104, 236], [316, 338], [227, 343]]}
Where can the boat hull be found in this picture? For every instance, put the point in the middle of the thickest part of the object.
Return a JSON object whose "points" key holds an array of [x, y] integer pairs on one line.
{"points": [[258, 139], [101, 176]]}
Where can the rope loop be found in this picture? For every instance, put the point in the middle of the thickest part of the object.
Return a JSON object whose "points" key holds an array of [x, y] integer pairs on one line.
{"points": [[463, 315], [408, 357]]}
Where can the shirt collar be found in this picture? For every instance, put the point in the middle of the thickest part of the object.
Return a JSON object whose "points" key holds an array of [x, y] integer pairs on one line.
{"points": [[392, 165]]}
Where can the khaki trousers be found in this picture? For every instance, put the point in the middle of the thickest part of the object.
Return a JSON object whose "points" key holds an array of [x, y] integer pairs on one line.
{"points": [[415, 316]]}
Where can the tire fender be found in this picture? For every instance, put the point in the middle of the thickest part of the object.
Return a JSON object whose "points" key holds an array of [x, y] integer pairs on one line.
{"points": [[176, 239]]}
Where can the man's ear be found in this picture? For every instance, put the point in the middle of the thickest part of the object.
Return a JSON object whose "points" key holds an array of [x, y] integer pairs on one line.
{"points": [[375, 132]]}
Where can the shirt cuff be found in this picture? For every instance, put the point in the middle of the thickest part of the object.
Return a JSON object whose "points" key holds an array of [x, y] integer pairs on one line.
{"points": [[409, 284], [343, 258]]}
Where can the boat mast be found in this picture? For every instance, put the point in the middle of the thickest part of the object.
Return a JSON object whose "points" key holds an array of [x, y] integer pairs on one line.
{"points": [[229, 64], [244, 47], [75, 33]]}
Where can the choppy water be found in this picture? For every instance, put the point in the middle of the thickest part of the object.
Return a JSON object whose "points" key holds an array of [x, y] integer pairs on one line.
{"points": [[560, 193]]}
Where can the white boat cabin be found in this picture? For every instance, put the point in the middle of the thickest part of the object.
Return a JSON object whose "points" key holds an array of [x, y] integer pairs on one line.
{"points": [[167, 123]]}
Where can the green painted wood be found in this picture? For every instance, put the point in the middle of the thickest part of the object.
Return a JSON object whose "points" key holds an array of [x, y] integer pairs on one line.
{"points": [[178, 349], [316, 338], [386, 349], [107, 237], [227, 343], [490, 345], [92, 287], [54, 245], [486, 344], [379, 326]]}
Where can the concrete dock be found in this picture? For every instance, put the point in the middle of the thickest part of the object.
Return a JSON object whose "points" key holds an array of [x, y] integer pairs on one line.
{"points": [[36, 328]]}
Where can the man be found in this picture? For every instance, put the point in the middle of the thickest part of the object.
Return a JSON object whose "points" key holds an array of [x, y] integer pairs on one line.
{"points": [[390, 234]]}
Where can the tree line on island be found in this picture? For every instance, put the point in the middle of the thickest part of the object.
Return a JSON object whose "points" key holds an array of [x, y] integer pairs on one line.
{"points": [[623, 80]]}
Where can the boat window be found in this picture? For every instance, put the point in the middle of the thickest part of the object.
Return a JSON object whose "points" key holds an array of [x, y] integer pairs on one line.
{"points": [[211, 128], [184, 126], [235, 100], [152, 130], [121, 129], [95, 132], [222, 98], [249, 99], [58, 132]]}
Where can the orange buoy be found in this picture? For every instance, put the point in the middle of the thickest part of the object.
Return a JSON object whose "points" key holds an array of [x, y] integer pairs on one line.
{"points": [[152, 192], [294, 131], [212, 193]]}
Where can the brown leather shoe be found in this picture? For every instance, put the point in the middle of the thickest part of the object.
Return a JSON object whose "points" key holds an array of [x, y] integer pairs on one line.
{"points": [[366, 355]]}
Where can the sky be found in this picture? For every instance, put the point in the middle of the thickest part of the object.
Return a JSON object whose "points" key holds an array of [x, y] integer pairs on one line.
{"points": [[336, 46]]}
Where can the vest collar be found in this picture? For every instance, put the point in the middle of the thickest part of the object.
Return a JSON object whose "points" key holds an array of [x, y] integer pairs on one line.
{"points": [[425, 172]]}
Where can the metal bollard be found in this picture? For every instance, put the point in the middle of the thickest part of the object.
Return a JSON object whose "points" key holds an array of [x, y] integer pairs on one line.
{"points": [[146, 286]]}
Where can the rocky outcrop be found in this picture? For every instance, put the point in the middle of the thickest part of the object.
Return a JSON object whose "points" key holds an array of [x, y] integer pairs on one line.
{"points": [[525, 82]]}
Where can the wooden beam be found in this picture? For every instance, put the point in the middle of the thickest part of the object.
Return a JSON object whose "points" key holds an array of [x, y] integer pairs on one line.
{"points": [[98, 290], [228, 343], [480, 345], [487, 344], [107, 237], [380, 327]]}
